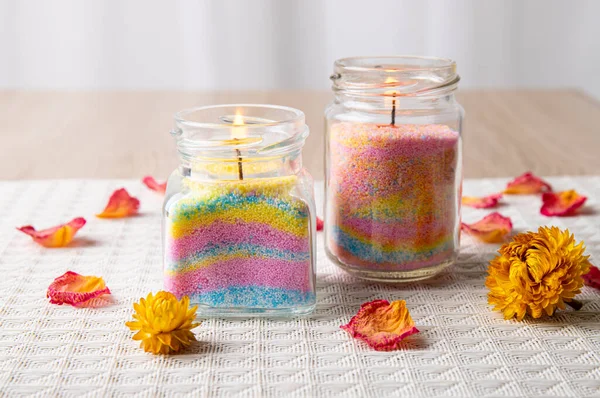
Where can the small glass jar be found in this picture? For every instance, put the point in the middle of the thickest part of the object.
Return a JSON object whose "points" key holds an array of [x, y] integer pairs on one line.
{"points": [[393, 167], [239, 212]]}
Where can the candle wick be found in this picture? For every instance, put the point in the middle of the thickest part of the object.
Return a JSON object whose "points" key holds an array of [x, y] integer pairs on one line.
{"points": [[240, 170], [394, 110]]}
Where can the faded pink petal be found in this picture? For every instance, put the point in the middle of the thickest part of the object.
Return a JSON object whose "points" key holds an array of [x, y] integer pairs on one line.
{"points": [[381, 324], [151, 183], [120, 204], [58, 236], [563, 203], [592, 278], [527, 184], [319, 224], [493, 228], [74, 289], [485, 202]]}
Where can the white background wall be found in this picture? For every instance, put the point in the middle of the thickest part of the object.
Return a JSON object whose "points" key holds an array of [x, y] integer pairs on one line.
{"points": [[270, 44]]}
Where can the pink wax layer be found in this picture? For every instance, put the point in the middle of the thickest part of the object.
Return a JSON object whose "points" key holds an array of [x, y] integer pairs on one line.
{"points": [[241, 244], [393, 195], [232, 233], [241, 272]]}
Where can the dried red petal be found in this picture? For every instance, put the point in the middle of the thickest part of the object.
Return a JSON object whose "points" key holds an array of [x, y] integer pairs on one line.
{"points": [[592, 278], [58, 236], [527, 184], [319, 224], [563, 203], [74, 289], [493, 228], [485, 202], [120, 204], [381, 324], [151, 183]]}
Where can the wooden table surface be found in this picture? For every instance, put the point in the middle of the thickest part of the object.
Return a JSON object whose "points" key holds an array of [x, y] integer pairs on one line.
{"points": [[126, 134]]}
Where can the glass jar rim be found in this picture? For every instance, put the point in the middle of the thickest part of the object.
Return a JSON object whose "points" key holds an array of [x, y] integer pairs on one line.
{"points": [[182, 116], [210, 131], [416, 63], [408, 74]]}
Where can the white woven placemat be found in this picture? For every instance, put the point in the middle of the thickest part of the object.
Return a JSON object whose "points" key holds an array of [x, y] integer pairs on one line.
{"points": [[463, 349]]}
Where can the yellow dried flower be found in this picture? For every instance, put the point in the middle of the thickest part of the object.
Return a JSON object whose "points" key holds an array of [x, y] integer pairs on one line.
{"points": [[536, 273], [163, 323]]}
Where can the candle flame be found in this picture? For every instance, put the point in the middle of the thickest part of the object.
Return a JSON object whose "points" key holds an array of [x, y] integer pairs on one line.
{"points": [[390, 94], [239, 132], [238, 120]]}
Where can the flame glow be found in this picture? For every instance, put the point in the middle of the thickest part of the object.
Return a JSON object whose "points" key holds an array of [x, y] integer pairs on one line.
{"points": [[238, 120], [238, 132]]}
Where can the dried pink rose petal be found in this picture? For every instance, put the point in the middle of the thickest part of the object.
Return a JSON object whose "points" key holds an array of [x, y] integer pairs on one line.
{"points": [[319, 224], [151, 183], [120, 204], [564, 203], [381, 324], [58, 236], [527, 184], [592, 278], [493, 228], [74, 289], [485, 202]]}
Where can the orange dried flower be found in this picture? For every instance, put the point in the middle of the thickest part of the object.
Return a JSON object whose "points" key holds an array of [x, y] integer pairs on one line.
{"points": [[381, 324], [58, 236], [564, 203], [120, 204], [163, 323], [493, 228], [536, 273]]}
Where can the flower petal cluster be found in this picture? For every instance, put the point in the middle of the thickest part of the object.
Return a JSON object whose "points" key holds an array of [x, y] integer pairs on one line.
{"points": [[536, 273], [163, 323]]}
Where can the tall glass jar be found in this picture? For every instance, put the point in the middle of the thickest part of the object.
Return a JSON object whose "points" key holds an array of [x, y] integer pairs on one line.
{"points": [[393, 167], [239, 212]]}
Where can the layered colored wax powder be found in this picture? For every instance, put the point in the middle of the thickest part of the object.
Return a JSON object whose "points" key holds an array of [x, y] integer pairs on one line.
{"points": [[393, 195], [240, 244]]}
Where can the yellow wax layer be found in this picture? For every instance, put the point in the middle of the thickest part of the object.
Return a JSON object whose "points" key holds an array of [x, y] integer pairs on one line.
{"points": [[231, 168], [273, 186], [265, 200]]}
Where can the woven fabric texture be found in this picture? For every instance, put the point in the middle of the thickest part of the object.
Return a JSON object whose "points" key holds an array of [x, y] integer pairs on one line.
{"points": [[464, 349]]}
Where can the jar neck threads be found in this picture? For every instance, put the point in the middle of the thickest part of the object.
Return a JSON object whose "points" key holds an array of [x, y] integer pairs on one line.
{"points": [[385, 82], [237, 142]]}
